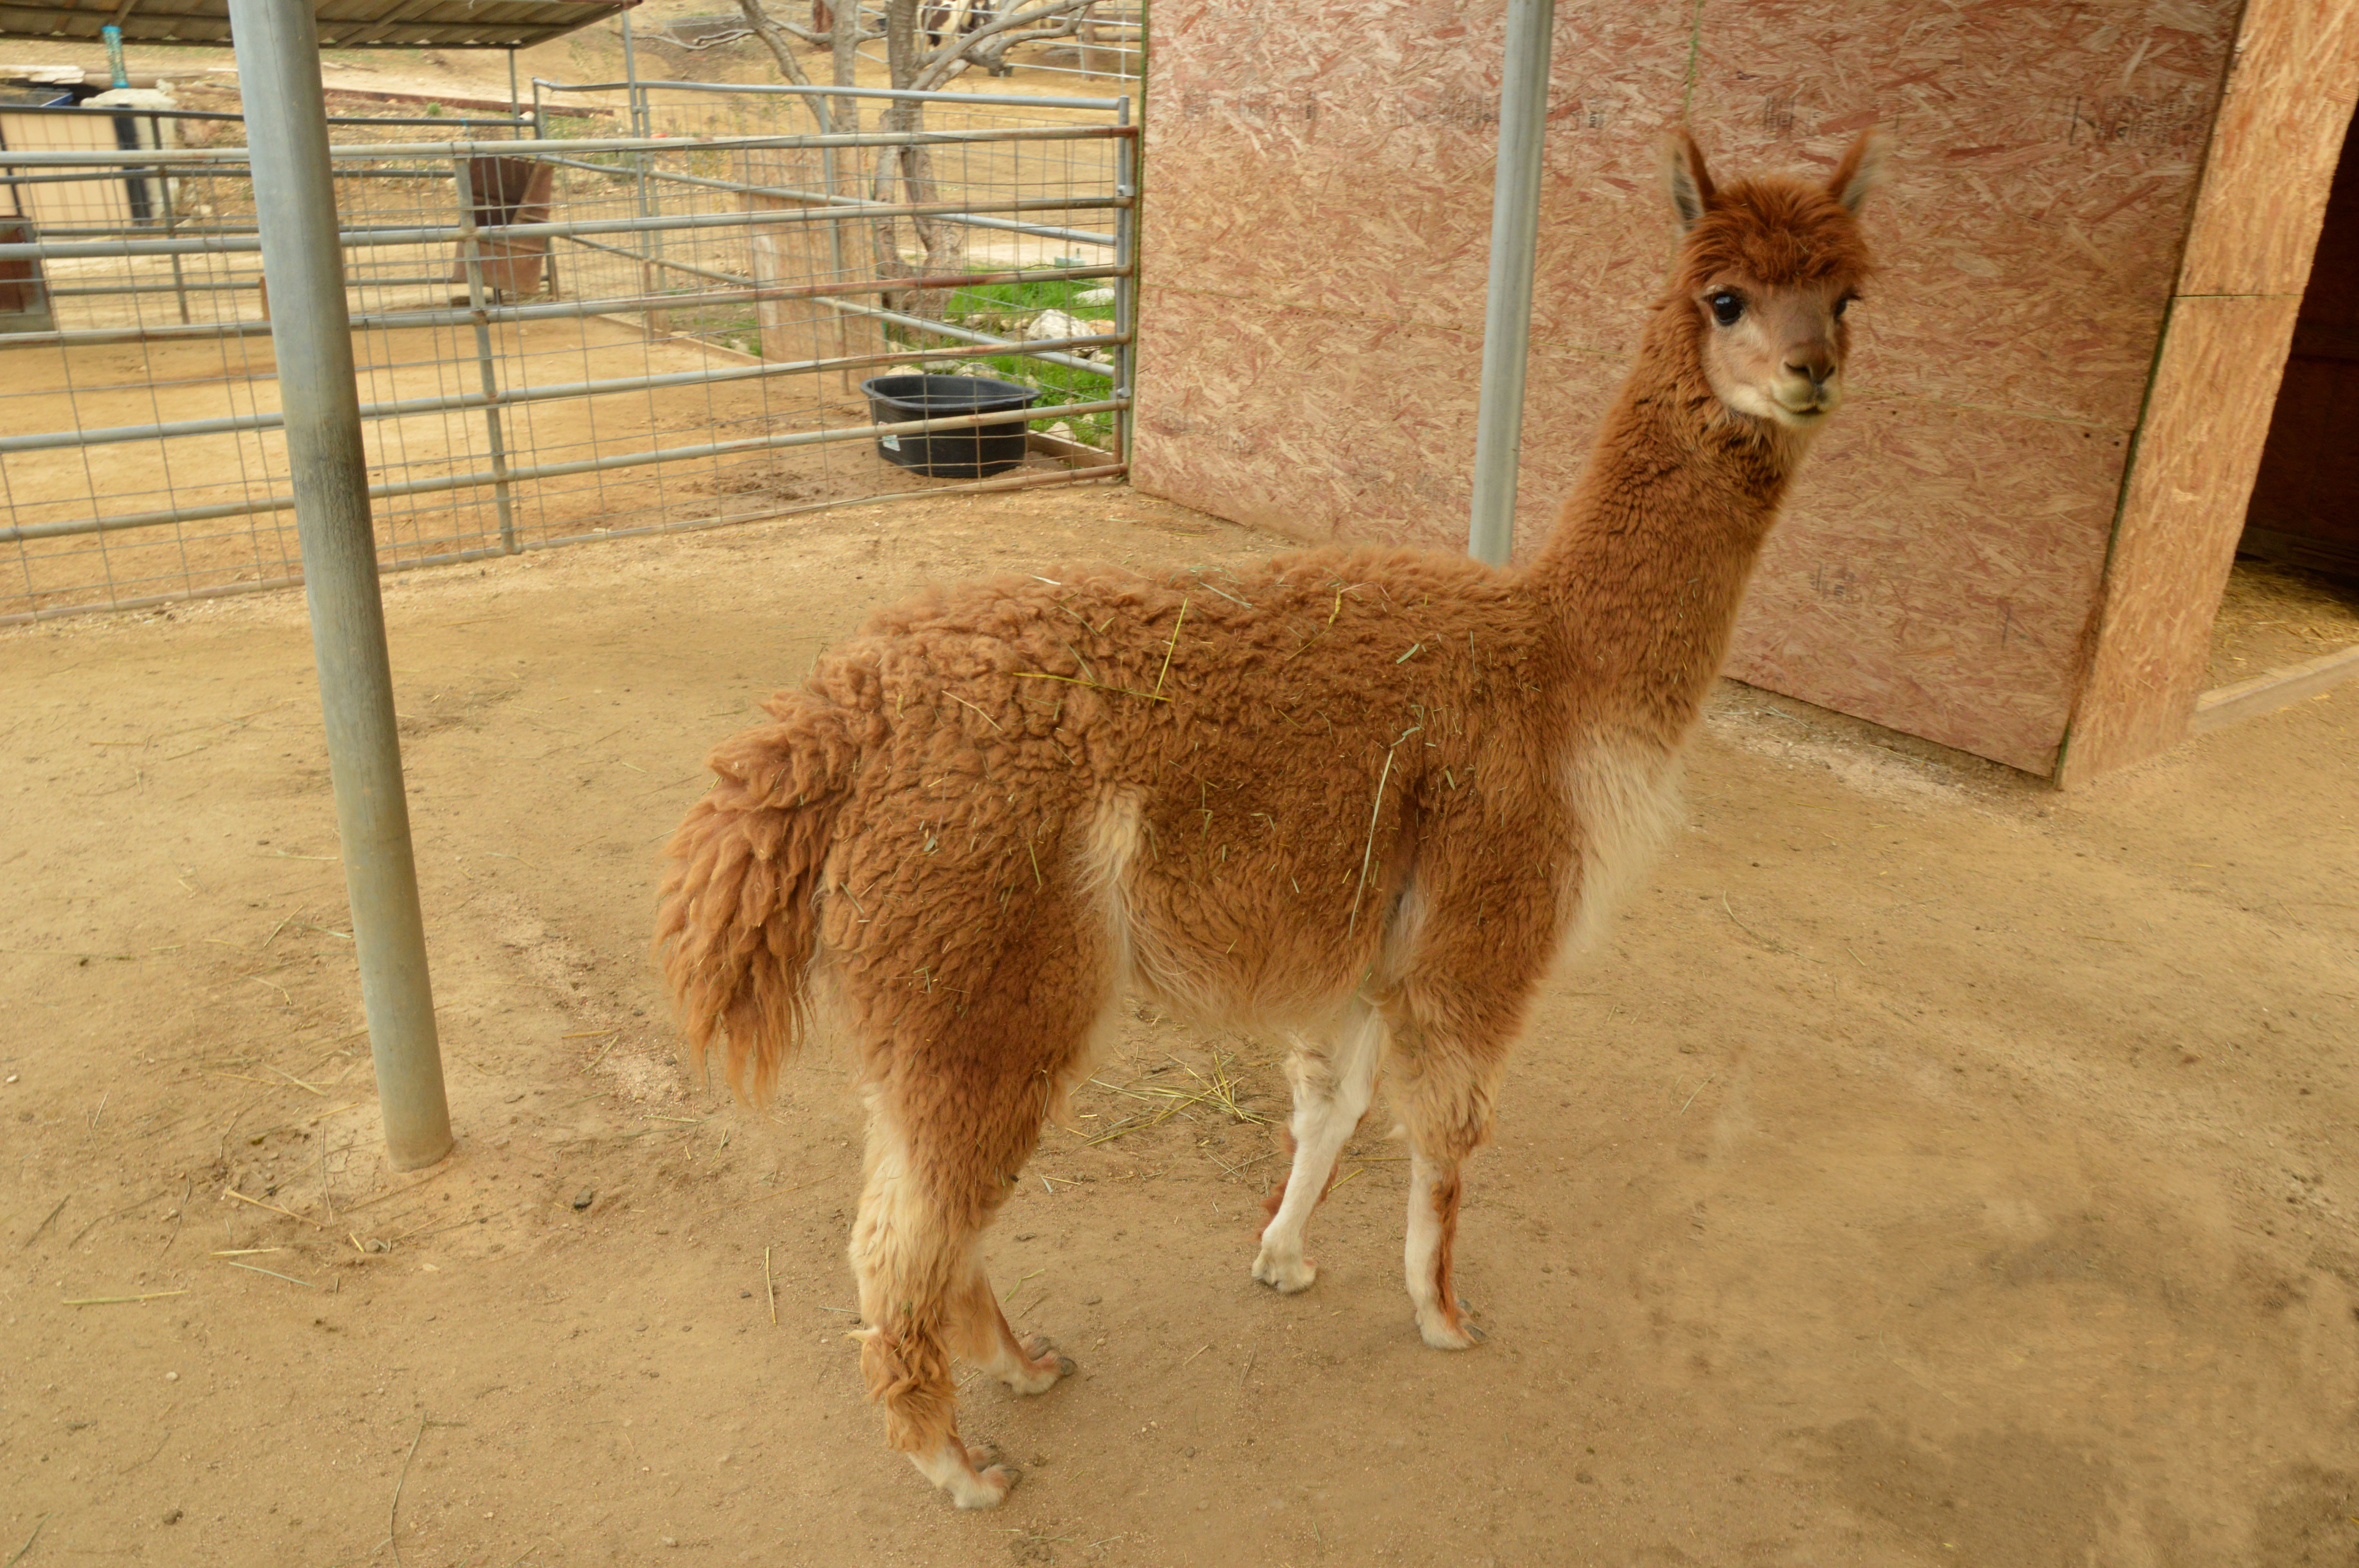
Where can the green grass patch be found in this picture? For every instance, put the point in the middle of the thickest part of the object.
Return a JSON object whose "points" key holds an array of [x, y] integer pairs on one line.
{"points": [[734, 327], [1027, 297]]}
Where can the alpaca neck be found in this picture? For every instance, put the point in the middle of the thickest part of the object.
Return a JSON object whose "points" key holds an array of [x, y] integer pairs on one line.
{"points": [[1650, 556]]}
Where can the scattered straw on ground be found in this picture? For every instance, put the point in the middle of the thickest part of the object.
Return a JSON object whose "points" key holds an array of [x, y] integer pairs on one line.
{"points": [[2272, 616]]}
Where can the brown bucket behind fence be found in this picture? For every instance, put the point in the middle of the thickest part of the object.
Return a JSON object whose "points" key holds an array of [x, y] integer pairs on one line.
{"points": [[508, 190]]}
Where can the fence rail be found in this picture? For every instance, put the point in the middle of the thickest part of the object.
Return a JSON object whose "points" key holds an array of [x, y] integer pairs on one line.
{"points": [[559, 338]]}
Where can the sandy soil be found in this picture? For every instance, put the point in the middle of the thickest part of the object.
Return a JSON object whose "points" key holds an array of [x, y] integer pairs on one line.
{"points": [[1932, 1170]]}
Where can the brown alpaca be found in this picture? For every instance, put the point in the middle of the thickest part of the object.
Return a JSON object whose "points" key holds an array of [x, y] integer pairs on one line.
{"points": [[1361, 799]]}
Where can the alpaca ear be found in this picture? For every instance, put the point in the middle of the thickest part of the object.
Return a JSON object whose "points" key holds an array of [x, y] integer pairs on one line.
{"points": [[1861, 169], [1685, 177]]}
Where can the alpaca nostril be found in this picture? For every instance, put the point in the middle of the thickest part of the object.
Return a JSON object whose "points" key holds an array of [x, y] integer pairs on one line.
{"points": [[1820, 370]]}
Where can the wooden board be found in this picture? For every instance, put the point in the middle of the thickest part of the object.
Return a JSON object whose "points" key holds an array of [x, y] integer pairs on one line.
{"points": [[67, 204], [2277, 689], [2182, 508], [2274, 148]]}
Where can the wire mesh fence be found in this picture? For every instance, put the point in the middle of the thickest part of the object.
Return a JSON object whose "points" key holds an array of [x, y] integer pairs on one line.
{"points": [[627, 312]]}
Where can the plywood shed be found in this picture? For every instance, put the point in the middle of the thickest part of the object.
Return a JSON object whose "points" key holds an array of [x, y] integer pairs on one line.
{"points": [[2095, 239]]}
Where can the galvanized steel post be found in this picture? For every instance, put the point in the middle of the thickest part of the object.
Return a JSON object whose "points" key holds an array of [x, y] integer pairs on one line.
{"points": [[1507, 312], [1127, 163], [471, 250], [311, 329]]}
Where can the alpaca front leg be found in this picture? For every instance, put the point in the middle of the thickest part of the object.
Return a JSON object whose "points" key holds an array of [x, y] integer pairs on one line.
{"points": [[1330, 1095], [1433, 1192]]}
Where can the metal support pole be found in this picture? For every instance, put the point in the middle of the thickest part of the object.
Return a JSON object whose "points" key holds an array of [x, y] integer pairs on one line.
{"points": [[164, 182], [294, 195], [1125, 282], [631, 74], [644, 244], [1507, 313], [540, 134], [823, 112], [470, 247], [473, 251]]}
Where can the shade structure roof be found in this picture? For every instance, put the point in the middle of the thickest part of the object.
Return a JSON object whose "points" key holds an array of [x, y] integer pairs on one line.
{"points": [[344, 24]]}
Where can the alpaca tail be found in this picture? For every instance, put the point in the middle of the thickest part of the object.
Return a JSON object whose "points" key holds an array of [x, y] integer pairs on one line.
{"points": [[737, 925]]}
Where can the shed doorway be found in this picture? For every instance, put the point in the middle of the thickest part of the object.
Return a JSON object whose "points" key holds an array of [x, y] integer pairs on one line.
{"points": [[2289, 617]]}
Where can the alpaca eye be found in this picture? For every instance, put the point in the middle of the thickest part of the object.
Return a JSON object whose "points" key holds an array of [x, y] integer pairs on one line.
{"points": [[1726, 307], [1841, 306]]}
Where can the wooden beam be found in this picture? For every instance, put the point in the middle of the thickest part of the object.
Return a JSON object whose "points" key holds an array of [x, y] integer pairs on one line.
{"points": [[2278, 688], [370, 33]]}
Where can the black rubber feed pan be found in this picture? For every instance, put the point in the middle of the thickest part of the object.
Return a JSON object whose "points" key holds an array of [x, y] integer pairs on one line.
{"points": [[974, 453]]}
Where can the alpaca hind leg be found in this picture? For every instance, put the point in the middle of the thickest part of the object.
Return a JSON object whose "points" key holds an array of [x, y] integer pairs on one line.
{"points": [[1028, 1366], [1330, 1095], [957, 1095], [1434, 1194], [1448, 1108], [913, 1253]]}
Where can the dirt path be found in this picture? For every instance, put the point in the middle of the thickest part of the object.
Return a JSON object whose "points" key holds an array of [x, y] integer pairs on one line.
{"points": [[1933, 1170]]}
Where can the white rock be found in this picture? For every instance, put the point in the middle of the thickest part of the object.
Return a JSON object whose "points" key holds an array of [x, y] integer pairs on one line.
{"points": [[132, 97], [1050, 324], [1094, 297]]}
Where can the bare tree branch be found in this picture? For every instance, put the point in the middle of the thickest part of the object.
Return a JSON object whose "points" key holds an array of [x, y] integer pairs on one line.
{"points": [[773, 32], [763, 24], [843, 38], [989, 44]]}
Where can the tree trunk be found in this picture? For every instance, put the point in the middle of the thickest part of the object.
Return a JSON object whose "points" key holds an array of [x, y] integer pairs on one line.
{"points": [[943, 245]]}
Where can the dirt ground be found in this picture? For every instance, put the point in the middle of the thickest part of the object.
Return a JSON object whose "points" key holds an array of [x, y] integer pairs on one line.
{"points": [[1932, 1170]]}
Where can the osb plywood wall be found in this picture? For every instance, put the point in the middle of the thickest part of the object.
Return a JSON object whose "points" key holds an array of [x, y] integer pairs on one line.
{"points": [[1317, 210]]}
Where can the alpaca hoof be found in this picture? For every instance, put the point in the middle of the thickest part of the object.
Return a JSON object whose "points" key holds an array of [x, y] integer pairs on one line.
{"points": [[988, 1488], [1288, 1275], [965, 1471], [1451, 1329], [1046, 1364]]}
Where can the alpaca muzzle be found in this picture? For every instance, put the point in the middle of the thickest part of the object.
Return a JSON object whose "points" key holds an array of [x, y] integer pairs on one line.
{"points": [[1809, 392]]}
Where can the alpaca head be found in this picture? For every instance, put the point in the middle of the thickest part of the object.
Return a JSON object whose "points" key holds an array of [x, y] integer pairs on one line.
{"points": [[1768, 269]]}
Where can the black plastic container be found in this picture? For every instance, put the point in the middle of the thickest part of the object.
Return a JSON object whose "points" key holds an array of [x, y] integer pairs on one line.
{"points": [[973, 453]]}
